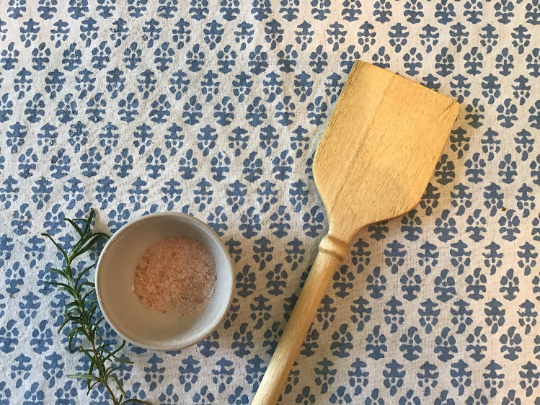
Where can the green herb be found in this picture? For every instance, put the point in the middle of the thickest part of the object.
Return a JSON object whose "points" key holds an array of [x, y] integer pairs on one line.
{"points": [[80, 315]]}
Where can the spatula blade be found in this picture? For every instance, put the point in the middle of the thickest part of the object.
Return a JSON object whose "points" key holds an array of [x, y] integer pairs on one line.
{"points": [[380, 148]]}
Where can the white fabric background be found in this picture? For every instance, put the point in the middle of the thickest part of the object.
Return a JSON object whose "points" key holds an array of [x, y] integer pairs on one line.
{"points": [[437, 307]]}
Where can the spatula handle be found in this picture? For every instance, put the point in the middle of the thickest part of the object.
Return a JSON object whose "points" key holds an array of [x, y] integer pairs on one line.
{"points": [[331, 252]]}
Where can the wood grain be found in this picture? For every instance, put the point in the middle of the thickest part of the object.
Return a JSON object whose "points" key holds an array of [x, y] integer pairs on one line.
{"points": [[373, 163]]}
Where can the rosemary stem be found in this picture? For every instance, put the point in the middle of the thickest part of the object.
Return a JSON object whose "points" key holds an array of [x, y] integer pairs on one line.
{"points": [[80, 313], [103, 379], [90, 333]]}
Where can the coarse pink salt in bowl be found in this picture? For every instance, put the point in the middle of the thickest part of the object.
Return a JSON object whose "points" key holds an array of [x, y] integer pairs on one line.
{"points": [[123, 309]]}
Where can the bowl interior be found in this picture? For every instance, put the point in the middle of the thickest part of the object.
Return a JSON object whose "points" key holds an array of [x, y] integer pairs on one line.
{"points": [[122, 308]]}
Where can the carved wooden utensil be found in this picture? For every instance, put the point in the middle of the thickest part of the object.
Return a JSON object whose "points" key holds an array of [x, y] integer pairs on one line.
{"points": [[373, 163]]}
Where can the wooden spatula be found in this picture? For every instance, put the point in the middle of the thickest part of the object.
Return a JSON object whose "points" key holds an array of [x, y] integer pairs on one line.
{"points": [[373, 163]]}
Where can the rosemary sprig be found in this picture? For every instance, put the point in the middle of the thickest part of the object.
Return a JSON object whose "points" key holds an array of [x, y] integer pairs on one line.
{"points": [[80, 315]]}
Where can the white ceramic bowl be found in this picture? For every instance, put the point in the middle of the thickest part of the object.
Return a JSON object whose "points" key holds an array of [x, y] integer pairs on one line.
{"points": [[122, 308]]}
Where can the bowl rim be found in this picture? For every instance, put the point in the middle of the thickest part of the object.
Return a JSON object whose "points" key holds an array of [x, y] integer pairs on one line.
{"points": [[207, 330]]}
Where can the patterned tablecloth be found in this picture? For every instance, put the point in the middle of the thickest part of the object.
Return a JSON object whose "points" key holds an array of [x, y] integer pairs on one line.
{"points": [[215, 109]]}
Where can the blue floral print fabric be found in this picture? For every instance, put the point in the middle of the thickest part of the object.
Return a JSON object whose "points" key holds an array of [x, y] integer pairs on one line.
{"points": [[215, 108]]}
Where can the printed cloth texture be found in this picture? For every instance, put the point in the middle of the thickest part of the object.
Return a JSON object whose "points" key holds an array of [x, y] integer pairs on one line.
{"points": [[215, 108]]}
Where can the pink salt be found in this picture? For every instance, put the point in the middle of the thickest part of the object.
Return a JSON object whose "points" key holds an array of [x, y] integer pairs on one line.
{"points": [[176, 274]]}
